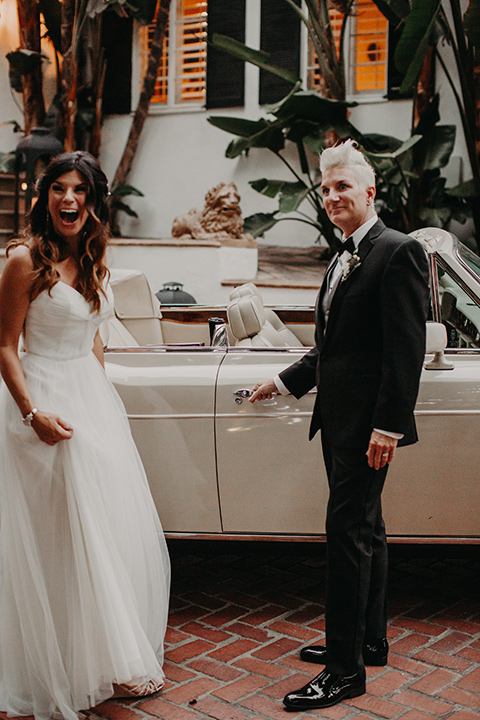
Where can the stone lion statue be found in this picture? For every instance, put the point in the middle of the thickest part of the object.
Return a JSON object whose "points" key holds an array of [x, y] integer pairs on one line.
{"points": [[221, 217]]}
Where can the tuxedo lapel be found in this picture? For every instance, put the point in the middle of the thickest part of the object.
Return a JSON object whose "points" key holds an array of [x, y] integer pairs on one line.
{"points": [[319, 315], [364, 248]]}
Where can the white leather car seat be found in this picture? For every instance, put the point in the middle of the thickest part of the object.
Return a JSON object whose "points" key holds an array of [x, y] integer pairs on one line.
{"points": [[290, 339], [249, 326], [136, 307]]}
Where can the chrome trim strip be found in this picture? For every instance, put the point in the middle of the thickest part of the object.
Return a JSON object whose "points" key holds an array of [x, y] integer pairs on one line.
{"points": [[180, 347], [450, 271], [292, 350], [434, 292], [446, 412], [189, 347], [281, 414], [461, 351], [180, 416], [392, 539], [460, 259]]}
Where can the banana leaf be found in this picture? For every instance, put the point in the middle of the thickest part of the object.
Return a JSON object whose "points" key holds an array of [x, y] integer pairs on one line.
{"points": [[238, 126], [376, 143], [124, 190], [308, 105], [255, 57], [415, 40], [253, 133], [436, 148], [393, 10], [120, 206], [468, 189], [259, 223], [395, 154], [270, 137], [291, 194]]}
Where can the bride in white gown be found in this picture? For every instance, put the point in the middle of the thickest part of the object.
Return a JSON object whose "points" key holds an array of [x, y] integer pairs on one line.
{"points": [[84, 569]]}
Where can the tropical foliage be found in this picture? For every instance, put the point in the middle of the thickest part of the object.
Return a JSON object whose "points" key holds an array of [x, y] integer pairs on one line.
{"points": [[74, 29], [429, 24], [411, 190]]}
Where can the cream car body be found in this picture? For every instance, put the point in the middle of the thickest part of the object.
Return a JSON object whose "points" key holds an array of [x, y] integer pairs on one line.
{"points": [[219, 466]]}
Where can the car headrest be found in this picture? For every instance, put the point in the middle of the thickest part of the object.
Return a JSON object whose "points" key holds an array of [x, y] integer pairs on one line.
{"points": [[436, 340], [246, 316], [245, 289]]}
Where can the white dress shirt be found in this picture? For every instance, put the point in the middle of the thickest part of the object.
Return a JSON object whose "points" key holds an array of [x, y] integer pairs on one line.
{"points": [[357, 236]]}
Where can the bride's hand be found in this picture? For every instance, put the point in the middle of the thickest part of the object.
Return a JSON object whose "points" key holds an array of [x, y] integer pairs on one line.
{"points": [[51, 428]]}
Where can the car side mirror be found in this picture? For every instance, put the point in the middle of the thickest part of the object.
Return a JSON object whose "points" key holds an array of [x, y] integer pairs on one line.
{"points": [[435, 345]]}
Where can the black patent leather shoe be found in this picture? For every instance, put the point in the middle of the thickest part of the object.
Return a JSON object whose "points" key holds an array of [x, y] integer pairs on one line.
{"points": [[374, 654], [324, 691]]}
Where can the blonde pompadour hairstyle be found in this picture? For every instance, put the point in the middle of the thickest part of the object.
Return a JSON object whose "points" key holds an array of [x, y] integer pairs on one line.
{"points": [[348, 156]]}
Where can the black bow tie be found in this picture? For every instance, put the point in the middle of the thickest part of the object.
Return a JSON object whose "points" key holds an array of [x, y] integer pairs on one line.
{"points": [[348, 245]]}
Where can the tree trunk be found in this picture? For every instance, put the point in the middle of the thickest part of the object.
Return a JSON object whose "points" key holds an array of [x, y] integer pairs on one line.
{"points": [[425, 89], [29, 25], [141, 112], [477, 102], [69, 75]]}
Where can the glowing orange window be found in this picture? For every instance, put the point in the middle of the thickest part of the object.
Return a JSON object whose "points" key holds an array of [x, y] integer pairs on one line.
{"points": [[182, 77], [368, 49]]}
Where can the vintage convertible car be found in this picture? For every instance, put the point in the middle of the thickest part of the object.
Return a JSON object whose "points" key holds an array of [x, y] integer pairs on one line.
{"points": [[220, 467]]}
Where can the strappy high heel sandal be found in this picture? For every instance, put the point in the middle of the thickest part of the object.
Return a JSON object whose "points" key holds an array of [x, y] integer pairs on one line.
{"points": [[149, 687]]}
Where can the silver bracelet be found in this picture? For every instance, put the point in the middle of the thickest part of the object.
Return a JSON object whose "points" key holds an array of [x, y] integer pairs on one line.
{"points": [[27, 419]]}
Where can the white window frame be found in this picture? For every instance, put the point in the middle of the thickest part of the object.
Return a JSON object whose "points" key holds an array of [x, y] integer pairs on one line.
{"points": [[362, 97], [252, 39], [170, 106]]}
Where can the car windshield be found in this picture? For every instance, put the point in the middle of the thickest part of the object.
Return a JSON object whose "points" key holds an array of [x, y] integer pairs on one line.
{"points": [[470, 258]]}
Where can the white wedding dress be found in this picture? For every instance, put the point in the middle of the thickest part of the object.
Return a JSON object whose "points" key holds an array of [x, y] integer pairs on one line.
{"points": [[84, 568]]}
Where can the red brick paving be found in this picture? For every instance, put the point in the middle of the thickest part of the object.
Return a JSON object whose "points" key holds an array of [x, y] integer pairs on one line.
{"points": [[241, 611]]}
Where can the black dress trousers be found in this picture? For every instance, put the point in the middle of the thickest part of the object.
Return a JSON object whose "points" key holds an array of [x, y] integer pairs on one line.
{"points": [[357, 560]]}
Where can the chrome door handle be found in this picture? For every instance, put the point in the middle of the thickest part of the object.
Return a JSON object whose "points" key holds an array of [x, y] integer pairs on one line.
{"points": [[242, 394]]}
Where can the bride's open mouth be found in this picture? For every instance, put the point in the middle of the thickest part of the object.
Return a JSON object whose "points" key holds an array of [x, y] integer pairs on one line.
{"points": [[69, 216]]}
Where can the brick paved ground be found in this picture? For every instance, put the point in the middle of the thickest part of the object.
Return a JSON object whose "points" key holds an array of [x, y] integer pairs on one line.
{"points": [[241, 611]]}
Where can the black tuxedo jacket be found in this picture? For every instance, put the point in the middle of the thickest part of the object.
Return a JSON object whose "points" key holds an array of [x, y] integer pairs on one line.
{"points": [[367, 362]]}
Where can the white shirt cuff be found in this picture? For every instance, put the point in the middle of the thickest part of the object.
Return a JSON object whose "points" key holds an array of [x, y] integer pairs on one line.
{"points": [[280, 386], [388, 433]]}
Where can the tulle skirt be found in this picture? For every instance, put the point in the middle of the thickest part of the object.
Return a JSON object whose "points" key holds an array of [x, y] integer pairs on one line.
{"points": [[84, 569]]}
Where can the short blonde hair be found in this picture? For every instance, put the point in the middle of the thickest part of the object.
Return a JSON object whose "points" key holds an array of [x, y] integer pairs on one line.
{"points": [[347, 155]]}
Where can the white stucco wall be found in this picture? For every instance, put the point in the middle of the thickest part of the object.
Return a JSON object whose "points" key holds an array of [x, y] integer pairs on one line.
{"points": [[181, 156]]}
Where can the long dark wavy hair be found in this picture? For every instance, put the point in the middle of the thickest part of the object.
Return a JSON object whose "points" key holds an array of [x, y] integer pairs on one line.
{"points": [[48, 247]]}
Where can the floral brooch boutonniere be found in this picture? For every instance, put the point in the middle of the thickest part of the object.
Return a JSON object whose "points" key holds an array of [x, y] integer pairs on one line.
{"points": [[348, 266]]}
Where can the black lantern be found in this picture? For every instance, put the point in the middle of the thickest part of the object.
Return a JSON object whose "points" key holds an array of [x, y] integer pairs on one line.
{"points": [[173, 293], [42, 145]]}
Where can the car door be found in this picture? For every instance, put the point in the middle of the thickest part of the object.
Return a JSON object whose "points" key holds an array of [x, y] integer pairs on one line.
{"points": [[433, 489], [169, 398], [271, 479]]}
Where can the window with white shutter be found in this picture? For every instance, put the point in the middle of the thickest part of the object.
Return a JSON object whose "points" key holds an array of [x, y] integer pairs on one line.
{"points": [[181, 78], [367, 52]]}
